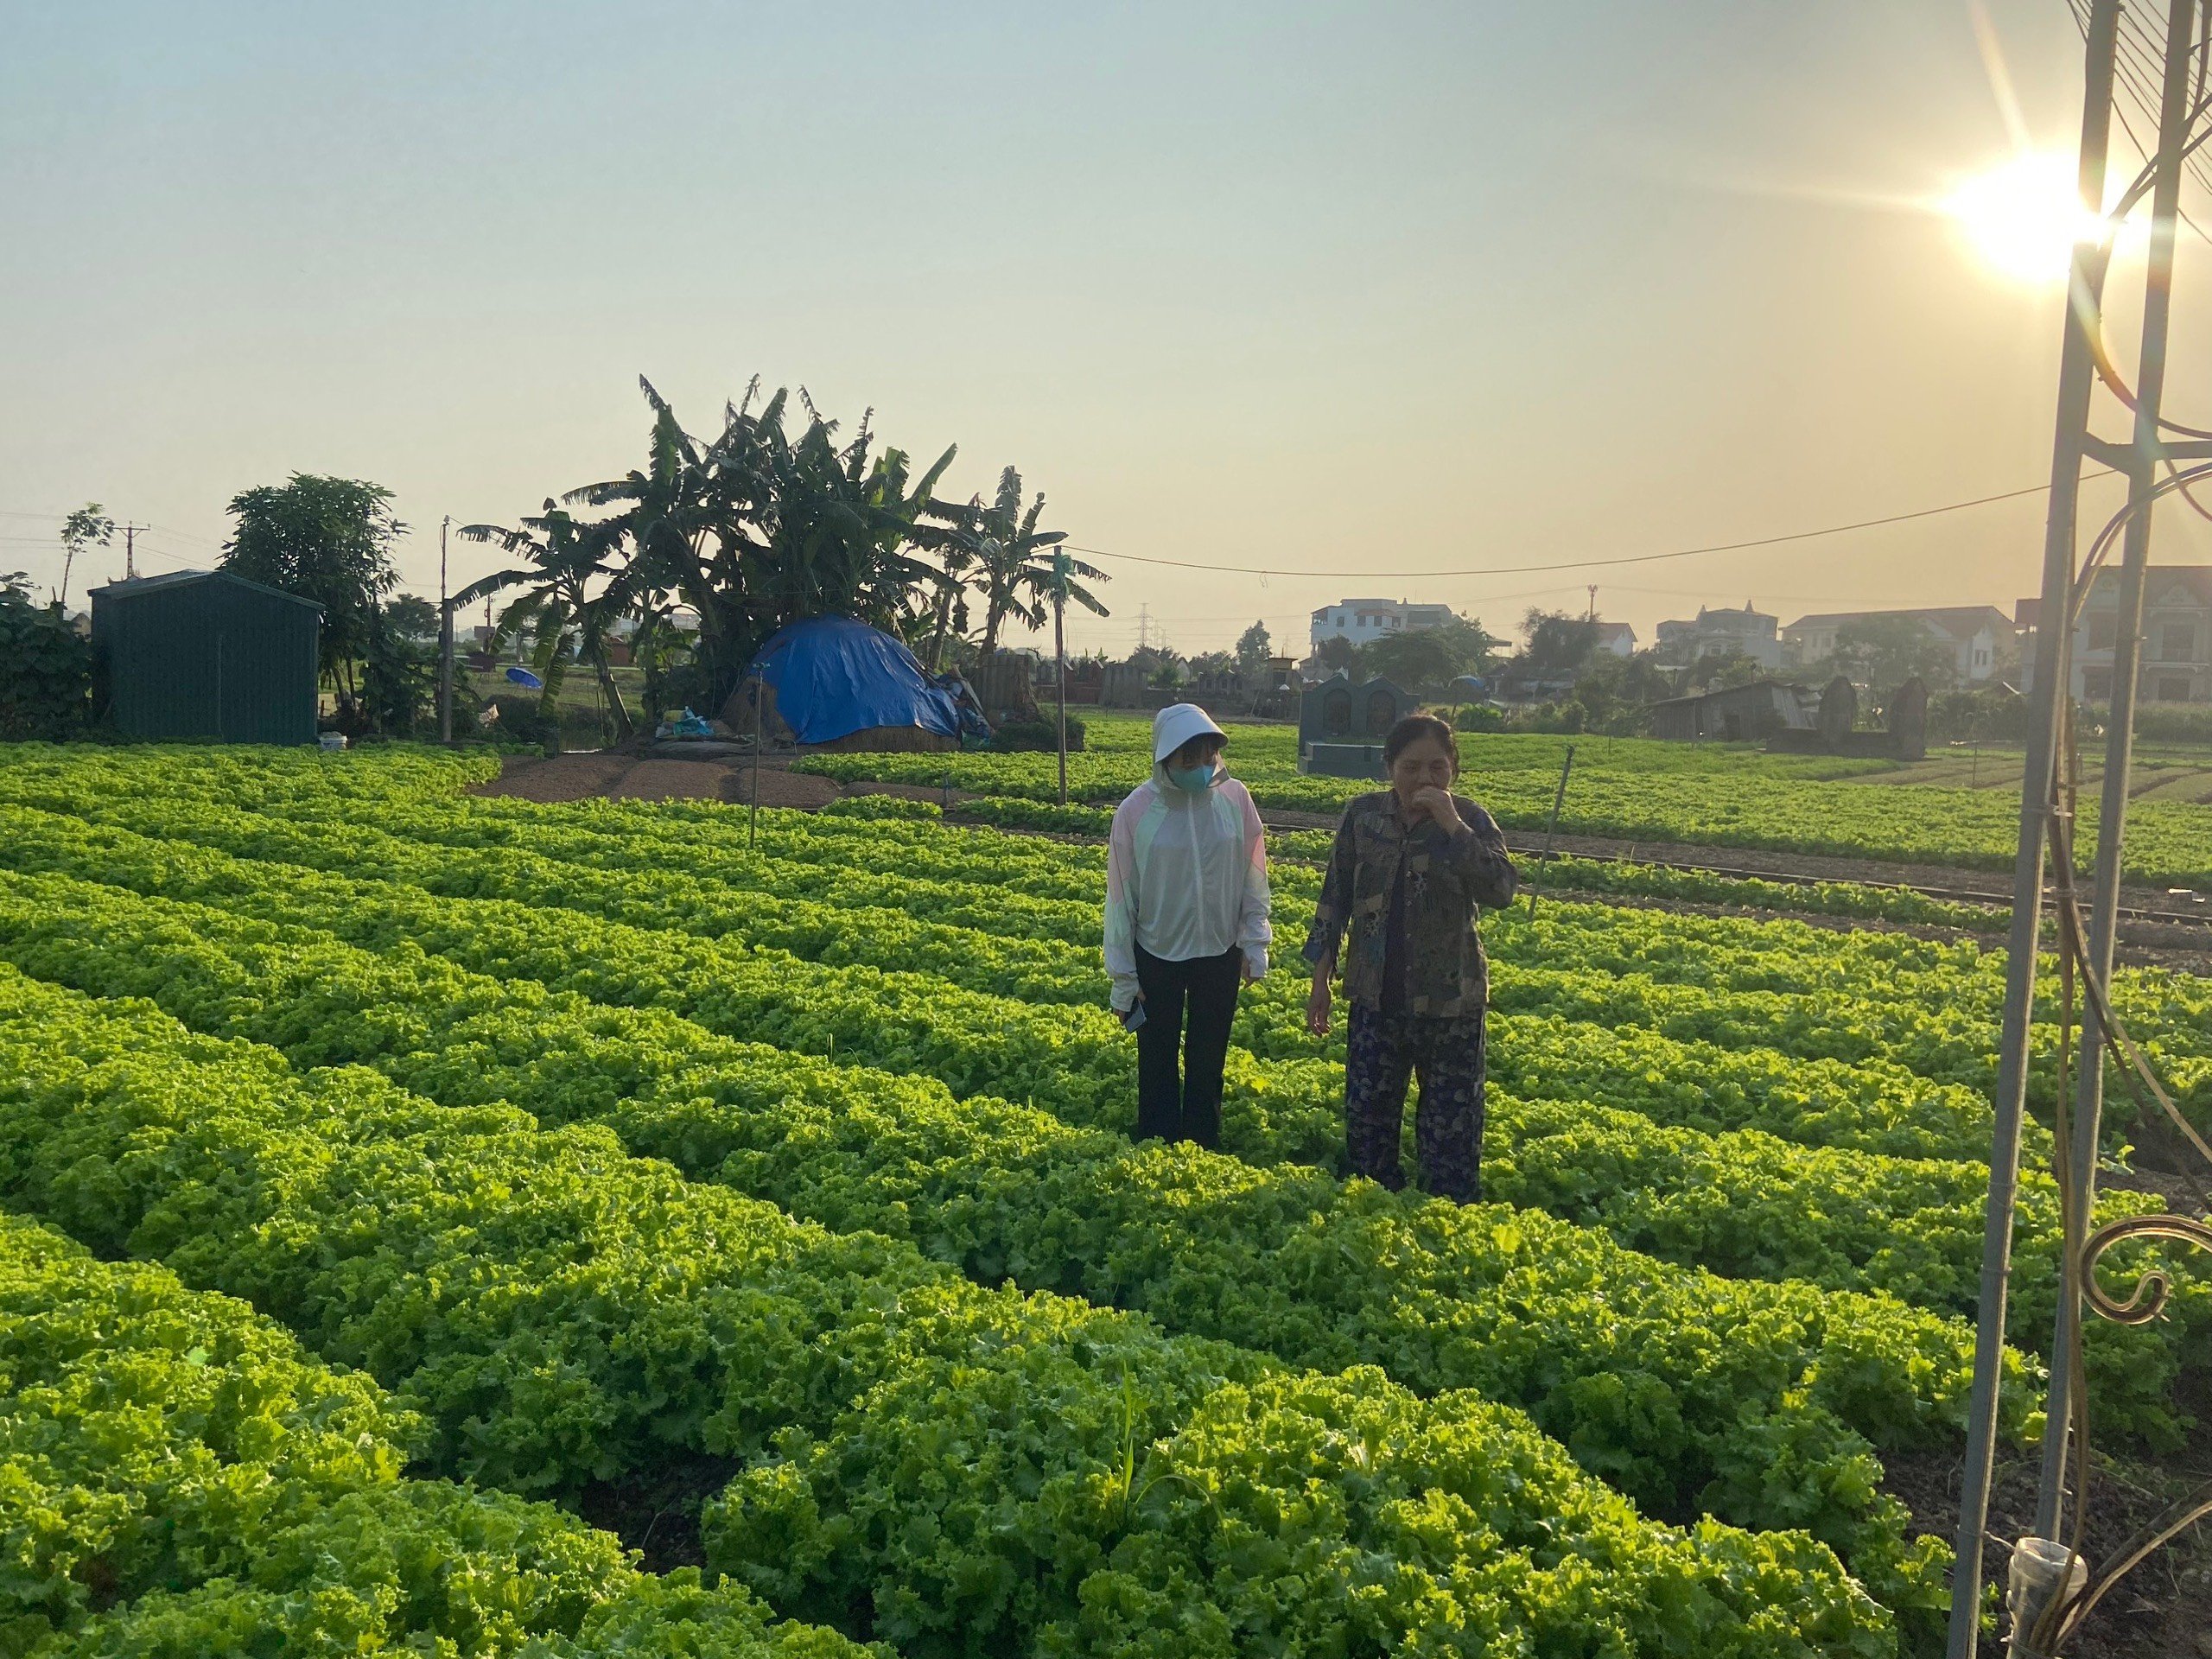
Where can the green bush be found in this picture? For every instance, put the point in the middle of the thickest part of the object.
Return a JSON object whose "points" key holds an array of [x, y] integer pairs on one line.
{"points": [[522, 721], [2171, 722], [1018, 736], [45, 670]]}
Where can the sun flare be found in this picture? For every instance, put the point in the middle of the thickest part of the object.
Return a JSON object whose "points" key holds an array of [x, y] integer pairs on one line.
{"points": [[2025, 215]]}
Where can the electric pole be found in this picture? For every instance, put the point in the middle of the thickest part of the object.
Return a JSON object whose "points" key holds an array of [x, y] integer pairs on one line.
{"points": [[1593, 601], [1060, 658], [131, 550], [445, 640]]}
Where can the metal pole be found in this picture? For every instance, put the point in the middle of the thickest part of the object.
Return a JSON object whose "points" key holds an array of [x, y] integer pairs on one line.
{"points": [[2076, 371], [445, 642], [753, 819], [1559, 798], [1060, 658], [2111, 811]]}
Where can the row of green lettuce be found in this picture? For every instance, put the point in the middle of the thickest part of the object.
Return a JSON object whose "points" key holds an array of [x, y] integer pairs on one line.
{"points": [[1564, 872], [1879, 968], [1741, 1203], [1930, 1006], [1873, 1011], [2168, 843], [177, 1477], [946, 1467]]}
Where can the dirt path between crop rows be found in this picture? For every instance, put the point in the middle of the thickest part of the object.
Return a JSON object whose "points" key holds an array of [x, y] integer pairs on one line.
{"points": [[609, 774]]}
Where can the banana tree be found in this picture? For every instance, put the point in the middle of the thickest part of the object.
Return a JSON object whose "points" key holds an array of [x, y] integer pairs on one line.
{"points": [[577, 585], [1015, 563], [757, 529]]}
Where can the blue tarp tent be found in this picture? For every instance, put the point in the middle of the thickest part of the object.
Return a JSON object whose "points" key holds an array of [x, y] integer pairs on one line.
{"points": [[832, 677]]}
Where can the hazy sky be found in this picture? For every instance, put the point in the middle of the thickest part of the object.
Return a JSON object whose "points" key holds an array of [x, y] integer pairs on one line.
{"points": [[1368, 288]]}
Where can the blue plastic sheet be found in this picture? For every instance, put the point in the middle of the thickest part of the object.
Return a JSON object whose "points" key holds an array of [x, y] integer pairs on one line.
{"points": [[833, 676]]}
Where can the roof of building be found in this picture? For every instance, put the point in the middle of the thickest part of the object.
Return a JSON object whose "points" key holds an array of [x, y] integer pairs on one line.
{"points": [[1957, 620], [2159, 579], [132, 587], [1798, 687], [1608, 632]]}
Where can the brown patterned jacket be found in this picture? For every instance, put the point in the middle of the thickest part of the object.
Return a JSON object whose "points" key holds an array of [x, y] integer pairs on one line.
{"points": [[1449, 878]]}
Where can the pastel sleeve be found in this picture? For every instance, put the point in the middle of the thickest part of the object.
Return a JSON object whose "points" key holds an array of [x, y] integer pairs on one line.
{"points": [[1254, 928], [1121, 928]]}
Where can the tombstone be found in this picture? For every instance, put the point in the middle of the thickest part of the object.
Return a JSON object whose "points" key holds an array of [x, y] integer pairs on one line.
{"points": [[1004, 686], [1908, 721], [1122, 686], [1336, 711], [1838, 714]]}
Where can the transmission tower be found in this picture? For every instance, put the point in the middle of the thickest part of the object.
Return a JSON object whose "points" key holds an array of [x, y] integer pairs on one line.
{"points": [[2063, 1585]]}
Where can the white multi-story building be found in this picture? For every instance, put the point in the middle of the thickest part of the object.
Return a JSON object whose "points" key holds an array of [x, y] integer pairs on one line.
{"points": [[1716, 633], [1617, 639], [1974, 633], [1363, 621], [2174, 664]]}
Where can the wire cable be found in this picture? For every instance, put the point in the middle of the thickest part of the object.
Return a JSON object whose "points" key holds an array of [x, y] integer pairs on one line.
{"points": [[1592, 564]]}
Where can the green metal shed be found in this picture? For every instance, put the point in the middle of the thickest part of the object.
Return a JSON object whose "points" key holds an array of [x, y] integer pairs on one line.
{"points": [[205, 654]]}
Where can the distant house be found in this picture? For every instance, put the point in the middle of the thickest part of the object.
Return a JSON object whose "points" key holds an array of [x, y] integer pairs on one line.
{"points": [[1718, 634], [1974, 634], [1736, 712], [1365, 620], [2176, 662], [1618, 637]]}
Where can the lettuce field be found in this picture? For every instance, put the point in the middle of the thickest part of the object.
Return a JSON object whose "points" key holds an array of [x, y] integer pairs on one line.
{"points": [[1632, 788], [440, 1224]]}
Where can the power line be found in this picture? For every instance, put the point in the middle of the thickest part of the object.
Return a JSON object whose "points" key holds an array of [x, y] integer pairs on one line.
{"points": [[1589, 564]]}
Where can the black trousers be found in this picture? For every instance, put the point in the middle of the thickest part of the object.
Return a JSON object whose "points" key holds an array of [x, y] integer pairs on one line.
{"points": [[1179, 1075]]}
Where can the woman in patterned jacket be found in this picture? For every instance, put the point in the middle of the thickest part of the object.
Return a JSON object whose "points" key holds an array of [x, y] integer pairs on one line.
{"points": [[1413, 867]]}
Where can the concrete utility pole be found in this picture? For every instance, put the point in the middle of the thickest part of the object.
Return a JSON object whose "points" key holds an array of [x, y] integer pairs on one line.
{"points": [[445, 641], [131, 550]]}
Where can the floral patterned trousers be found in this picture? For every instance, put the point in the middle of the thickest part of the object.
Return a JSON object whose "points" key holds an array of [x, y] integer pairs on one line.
{"points": [[1385, 1051]]}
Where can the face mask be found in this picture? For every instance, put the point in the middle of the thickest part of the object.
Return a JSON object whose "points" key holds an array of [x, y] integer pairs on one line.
{"points": [[1194, 779]]}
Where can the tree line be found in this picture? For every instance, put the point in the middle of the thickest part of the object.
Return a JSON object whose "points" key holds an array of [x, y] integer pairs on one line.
{"points": [[693, 559]]}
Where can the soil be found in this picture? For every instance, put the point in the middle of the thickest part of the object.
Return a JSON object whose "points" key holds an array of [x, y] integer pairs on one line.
{"points": [[2162, 1610], [613, 774], [657, 1511]]}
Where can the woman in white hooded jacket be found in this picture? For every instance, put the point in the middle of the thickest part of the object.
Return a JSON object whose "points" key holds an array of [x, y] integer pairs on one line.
{"points": [[1187, 922]]}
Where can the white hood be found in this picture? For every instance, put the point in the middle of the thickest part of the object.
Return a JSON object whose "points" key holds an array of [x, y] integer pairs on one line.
{"points": [[1176, 725]]}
